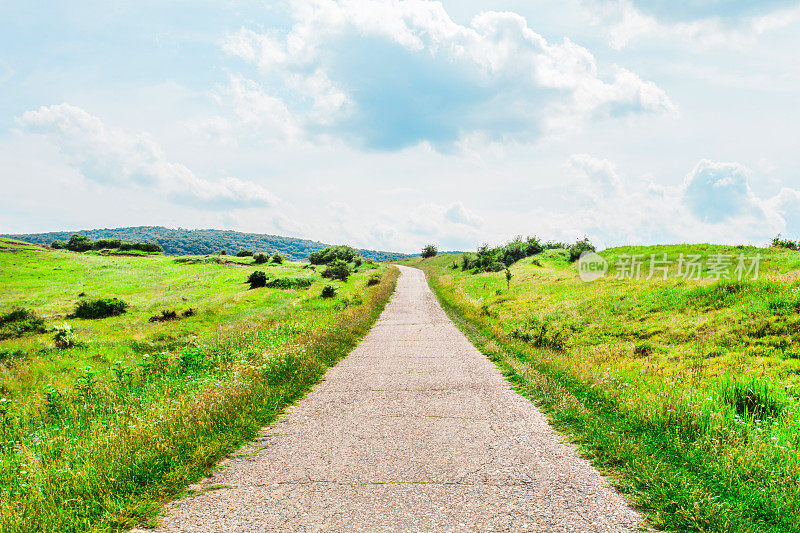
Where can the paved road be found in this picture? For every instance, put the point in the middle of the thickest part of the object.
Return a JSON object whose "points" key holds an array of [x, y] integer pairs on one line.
{"points": [[414, 431]]}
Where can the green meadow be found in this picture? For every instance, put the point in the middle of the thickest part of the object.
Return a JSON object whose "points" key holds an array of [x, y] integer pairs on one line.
{"points": [[685, 391], [102, 425]]}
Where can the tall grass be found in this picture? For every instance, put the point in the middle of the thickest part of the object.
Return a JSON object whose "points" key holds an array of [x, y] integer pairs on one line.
{"points": [[105, 453], [705, 452]]}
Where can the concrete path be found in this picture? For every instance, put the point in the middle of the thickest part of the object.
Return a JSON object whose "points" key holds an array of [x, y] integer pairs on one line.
{"points": [[414, 431]]}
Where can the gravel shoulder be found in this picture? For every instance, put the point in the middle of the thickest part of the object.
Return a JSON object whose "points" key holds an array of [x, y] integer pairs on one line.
{"points": [[414, 431]]}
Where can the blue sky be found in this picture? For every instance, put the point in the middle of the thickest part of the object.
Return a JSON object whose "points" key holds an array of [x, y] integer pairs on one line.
{"points": [[390, 124]]}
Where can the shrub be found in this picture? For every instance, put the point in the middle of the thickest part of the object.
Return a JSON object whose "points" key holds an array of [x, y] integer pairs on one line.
{"points": [[429, 251], [497, 266], [165, 316], [100, 308], [19, 322], [79, 243], [64, 337], [277, 259], [257, 279], [223, 252], [332, 253], [101, 244], [189, 312], [466, 261], [260, 259], [244, 253], [290, 283], [337, 269], [783, 243], [579, 247], [374, 279], [58, 245], [542, 334], [328, 291]]}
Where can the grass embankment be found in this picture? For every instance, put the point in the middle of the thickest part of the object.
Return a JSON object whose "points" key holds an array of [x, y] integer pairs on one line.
{"points": [[685, 391], [96, 437]]}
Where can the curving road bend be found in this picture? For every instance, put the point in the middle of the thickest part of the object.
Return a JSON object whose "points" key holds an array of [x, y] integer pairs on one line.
{"points": [[414, 431]]}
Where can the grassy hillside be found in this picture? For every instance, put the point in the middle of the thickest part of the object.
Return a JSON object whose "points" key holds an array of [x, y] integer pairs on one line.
{"points": [[94, 437], [203, 241], [685, 391]]}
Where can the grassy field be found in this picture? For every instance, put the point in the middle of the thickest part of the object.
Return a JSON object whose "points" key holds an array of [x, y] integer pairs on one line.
{"points": [[95, 437], [685, 391]]}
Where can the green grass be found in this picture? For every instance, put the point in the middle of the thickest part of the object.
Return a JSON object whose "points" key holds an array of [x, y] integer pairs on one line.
{"points": [[98, 436], [684, 391]]}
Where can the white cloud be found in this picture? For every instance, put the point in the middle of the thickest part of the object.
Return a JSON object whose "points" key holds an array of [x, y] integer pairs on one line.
{"points": [[395, 73], [713, 203], [111, 156], [456, 212], [625, 23]]}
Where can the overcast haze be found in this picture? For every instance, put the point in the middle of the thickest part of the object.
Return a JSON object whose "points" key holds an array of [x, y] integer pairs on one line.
{"points": [[392, 124]]}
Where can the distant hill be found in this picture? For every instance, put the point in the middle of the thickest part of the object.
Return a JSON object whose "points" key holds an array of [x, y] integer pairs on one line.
{"points": [[204, 241]]}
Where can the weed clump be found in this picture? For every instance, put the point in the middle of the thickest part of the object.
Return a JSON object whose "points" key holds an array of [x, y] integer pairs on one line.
{"points": [[100, 308], [165, 316], [542, 333], [643, 349], [374, 279], [328, 291], [751, 398], [19, 322], [64, 337], [257, 279]]}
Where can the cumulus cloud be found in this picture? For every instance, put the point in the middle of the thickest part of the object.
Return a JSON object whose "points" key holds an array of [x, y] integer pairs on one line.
{"points": [[394, 73], [713, 203], [692, 23], [456, 212], [718, 191], [111, 156]]}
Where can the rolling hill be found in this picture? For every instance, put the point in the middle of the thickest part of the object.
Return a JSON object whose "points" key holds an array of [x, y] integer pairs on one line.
{"points": [[204, 241]]}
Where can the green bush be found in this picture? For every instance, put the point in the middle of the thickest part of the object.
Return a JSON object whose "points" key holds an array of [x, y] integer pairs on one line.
{"points": [[337, 269], [496, 266], [19, 322], [290, 283], [333, 253], [579, 247], [58, 245], [260, 259], [151, 247], [79, 243], [244, 253], [328, 291], [257, 279], [374, 279], [100, 308], [428, 251], [101, 244], [277, 259]]}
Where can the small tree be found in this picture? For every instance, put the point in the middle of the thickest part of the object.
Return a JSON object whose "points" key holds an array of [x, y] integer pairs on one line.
{"points": [[277, 259], [260, 259], [508, 278], [429, 251]]}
